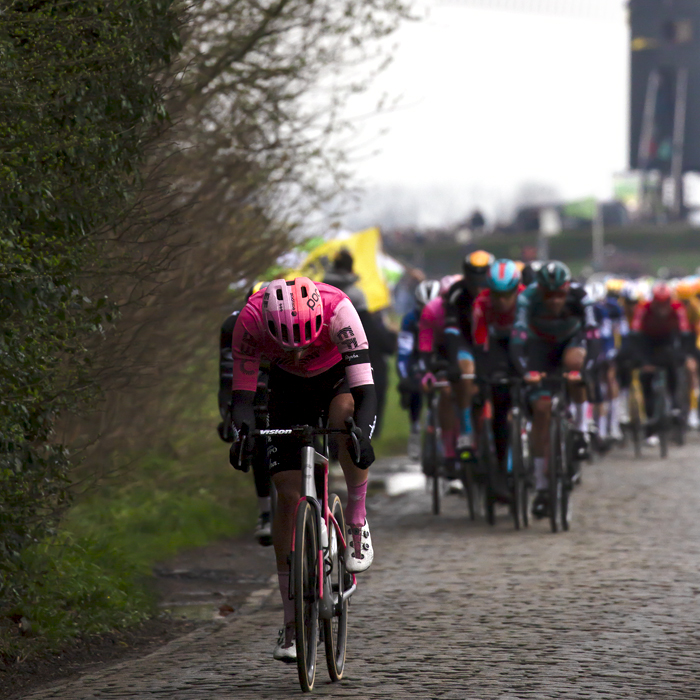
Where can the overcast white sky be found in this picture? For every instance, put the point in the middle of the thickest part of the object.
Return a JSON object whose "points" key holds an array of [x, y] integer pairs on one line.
{"points": [[496, 98]]}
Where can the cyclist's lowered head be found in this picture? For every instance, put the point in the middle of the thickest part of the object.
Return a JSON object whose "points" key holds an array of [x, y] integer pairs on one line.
{"points": [[554, 280], [661, 299], [503, 280], [293, 313], [475, 267]]}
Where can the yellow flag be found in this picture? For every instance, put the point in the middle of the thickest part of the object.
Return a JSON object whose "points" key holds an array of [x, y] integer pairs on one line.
{"points": [[364, 247]]}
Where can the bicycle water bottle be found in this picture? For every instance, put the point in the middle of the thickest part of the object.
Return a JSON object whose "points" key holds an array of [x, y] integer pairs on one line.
{"points": [[324, 533]]}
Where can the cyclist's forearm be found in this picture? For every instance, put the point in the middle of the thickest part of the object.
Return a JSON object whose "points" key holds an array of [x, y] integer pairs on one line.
{"points": [[365, 413], [242, 410]]}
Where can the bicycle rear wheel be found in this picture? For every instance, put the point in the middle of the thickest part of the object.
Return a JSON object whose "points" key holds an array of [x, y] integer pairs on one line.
{"points": [[470, 491], [635, 411], [306, 577], [487, 462], [335, 630], [663, 420]]}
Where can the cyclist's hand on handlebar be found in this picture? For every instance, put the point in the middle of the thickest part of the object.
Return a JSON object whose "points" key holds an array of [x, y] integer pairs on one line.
{"points": [[534, 377], [366, 453], [427, 381], [225, 431], [359, 446], [241, 449]]}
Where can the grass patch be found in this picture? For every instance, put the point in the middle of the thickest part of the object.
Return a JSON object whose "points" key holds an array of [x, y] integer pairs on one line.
{"points": [[95, 576], [395, 428]]}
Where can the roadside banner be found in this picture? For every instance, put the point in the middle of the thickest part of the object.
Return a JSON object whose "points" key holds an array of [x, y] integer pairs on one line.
{"points": [[371, 265]]}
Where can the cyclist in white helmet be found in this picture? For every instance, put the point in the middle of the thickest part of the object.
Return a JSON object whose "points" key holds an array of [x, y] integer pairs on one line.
{"points": [[408, 365]]}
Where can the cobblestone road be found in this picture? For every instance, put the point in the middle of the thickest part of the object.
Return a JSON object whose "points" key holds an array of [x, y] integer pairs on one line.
{"points": [[458, 610]]}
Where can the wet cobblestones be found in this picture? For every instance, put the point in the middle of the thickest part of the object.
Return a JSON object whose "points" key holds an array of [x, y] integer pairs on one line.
{"points": [[453, 609]]}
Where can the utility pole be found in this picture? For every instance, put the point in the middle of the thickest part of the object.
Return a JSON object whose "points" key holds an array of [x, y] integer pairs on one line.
{"points": [[598, 238]]}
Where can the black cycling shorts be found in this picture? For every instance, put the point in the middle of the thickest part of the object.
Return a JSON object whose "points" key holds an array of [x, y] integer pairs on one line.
{"points": [[299, 401], [543, 356]]}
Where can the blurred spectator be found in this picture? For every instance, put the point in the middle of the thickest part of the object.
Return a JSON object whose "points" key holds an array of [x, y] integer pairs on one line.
{"points": [[405, 290], [477, 221], [382, 340]]}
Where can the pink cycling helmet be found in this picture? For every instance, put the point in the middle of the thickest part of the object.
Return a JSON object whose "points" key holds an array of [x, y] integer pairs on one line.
{"points": [[446, 283], [293, 312]]}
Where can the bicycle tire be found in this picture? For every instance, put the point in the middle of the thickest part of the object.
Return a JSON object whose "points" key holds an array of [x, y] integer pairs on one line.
{"points": [[306, 604], [554, 469], [635, 418], [567, 475], [435, 488], [661, 414], [485, 457], [517, 472], [335, 630], [430, 459], [469, 489], [528, 476]]}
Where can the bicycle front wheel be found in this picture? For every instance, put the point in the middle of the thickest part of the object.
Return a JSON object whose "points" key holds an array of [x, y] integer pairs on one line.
{"points": [[554, 468], [306, 579], [335, 630], [517, 474]]}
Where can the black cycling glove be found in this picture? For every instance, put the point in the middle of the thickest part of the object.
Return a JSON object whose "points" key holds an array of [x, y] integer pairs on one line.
{"points": [[365, 419]]}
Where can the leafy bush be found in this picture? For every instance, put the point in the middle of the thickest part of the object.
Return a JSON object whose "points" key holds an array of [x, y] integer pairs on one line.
{"points": [[77, 112]]}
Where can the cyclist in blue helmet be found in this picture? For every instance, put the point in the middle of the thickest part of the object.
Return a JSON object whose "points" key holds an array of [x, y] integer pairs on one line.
{"points": [[492, 321]]}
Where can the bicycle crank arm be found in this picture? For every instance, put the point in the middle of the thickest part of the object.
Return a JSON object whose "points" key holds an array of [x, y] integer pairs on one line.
{"points": [[326, 608], [348, 593]]}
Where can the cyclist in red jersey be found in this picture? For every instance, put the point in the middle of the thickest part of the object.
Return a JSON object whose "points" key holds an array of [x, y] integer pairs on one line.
{"points": [[319, 364], [660, 336], [493, 316]]}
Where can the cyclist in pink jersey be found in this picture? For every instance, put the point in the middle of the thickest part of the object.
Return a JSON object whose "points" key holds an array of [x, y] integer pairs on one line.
{"points": [[441, 346], [319, 364]]}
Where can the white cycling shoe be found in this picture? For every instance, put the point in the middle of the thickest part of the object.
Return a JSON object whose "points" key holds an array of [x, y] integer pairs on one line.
{"points": [[693, 420], [652, 441], [286, 648], [359, 553]]}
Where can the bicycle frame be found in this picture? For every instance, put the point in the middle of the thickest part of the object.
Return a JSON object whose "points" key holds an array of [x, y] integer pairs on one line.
{"points": [[310, 459]]}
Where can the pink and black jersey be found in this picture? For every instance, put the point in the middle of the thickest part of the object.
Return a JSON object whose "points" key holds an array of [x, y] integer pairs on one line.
{"points": [[342, 338], [431, 326]]}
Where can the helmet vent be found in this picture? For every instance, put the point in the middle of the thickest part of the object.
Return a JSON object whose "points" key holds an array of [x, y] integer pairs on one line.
{"points": [[304, 293], [285, 333], [272, 328], [307, 330], [297, 334], [279, 294], [318, 322]]}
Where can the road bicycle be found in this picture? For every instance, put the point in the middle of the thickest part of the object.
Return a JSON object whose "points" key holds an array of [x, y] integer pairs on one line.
{"points": [[432, 454], [514, 473], [561, 462], [519, 467], [320, 585], [663, 420]]}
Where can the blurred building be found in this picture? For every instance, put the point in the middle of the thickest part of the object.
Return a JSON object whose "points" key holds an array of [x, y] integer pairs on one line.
{"points": [[665, 89]]}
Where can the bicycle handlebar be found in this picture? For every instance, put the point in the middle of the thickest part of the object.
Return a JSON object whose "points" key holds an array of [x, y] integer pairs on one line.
{"points": [[304, 431]]}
